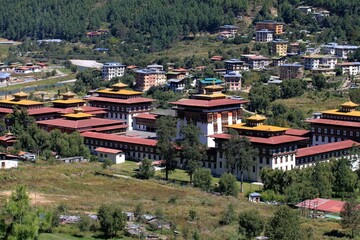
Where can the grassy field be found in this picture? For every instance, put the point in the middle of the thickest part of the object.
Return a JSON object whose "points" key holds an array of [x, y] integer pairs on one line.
{"points": [[312, 102], [83, 190]]}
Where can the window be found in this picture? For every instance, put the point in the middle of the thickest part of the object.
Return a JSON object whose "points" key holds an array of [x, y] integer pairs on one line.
{"points": [[220, 164]]}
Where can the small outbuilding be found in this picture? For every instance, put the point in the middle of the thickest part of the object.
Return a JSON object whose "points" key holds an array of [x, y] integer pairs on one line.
{"points": [[115, 155], [254, 197]]}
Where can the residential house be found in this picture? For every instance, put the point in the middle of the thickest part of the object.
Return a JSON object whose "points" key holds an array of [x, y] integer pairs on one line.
{"points": [[291, 71], [233, 81], [349, 68], [149, 77], [276, 27], [319, 61], [115, 155], [279, 47], [111, 70], [264, 35]]}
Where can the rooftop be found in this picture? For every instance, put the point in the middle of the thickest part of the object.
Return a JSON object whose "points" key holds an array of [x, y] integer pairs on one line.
{"points": [[21, 102], [108, 150], [321, 204], [120, 138], [113, 64], [335, 122], [208, 103], [339, 112], [69, 101], [146, 116], [268, 141], [81, 123], [348, 64], [122, 101], [324, 148], [260, 128]]}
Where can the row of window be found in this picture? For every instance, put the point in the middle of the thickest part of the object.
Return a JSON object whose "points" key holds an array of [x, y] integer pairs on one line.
{"points": [[117, 145], [337, 131]]}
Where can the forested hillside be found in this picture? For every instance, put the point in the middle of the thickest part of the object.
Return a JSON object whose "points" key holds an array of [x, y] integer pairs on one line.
{"points": [[163, 20]]}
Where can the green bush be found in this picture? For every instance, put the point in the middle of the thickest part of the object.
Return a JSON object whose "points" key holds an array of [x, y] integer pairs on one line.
{"points": [[203, 179], [228, 185]]}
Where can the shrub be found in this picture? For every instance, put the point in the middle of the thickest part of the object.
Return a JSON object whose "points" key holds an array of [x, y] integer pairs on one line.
{"points": [[228, 185], [203, 179], [84, 223], [172, 199], [192, 215], [146, 169], [229, 215]]}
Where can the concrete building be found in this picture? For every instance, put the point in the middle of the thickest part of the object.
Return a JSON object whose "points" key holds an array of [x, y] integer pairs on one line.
{"points": [[236, 65], [343, 51], [349, 68], [233, 81], [264, 35], [6, 164], [329, 48], [279, 47], [319, 61], [276, 27], [115, 155], [256, 62], [291, 71], [149, 77], [111, 70]]}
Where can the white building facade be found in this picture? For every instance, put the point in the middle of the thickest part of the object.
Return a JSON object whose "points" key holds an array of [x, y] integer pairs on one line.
{"points": [[112, 70]]}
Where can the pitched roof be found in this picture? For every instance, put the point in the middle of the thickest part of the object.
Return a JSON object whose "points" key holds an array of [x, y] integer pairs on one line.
{"points": [[146, 116], [208, 103], [324, 148], [321, 204], [82, 123], [121, 101], [335, 122], [296, 132], [86, 109], [43, 110], [108, 150], [119, 138], [269, 141]]}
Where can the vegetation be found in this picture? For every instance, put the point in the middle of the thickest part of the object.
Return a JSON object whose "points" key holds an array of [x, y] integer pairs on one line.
{"points": [[350, 216], [227, 185], [251, 224], [239, 155], [202, 179], [146, 169], [166, 131], [111, 219]]}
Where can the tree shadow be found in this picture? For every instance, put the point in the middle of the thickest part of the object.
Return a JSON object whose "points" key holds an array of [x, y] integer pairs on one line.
{"points": [[337, 234]]}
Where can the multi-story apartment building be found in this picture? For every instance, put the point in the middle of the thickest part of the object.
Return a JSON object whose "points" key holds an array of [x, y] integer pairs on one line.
{"points": [[343, 51], [279, 47], [291, 71], [256, 62], [112, 69], [349, 68], [264, 35], [276, 27], [149, 77], [236, 65], [233, 81], [319, 61]]}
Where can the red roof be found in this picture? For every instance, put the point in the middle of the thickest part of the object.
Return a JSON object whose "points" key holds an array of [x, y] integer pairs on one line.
{"points": [[180, 70], [120, 138], [324, 148], [335, 122], [296, 132], [43, 110], [257, 58], [146, 116], [348, 64], [321, 204], [6, 110], [122, 101], [81, 123], [108, 150], [107, 128], [86, 109], [208, 103], [270, 141]]}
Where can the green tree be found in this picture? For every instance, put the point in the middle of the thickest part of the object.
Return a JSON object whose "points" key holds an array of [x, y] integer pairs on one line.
{"points": [[228, 185], [318, 81], [139, 211], [292, 88], [229, 215], [146, 169], [283, 225], [239, 155], [355, 95], [251, 224], [166, 132], [322, 179], [107, 163], [350, 216], [344, 178], [21, 221], [84, 223], [191, 148], [203, 179], [111, 219]]}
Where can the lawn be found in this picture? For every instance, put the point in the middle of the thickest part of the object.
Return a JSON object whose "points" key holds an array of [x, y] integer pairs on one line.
{"points": [[313, 102], [79, 187]]}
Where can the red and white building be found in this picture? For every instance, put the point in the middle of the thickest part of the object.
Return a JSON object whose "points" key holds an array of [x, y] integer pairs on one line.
{"points": [[121, 104]]}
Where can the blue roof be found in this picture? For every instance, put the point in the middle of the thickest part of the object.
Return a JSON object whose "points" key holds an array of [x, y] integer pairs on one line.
{"points": [[5, 75], [101, 49], [113, 64], [291, 65], [210, 81], [255, 194]]}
